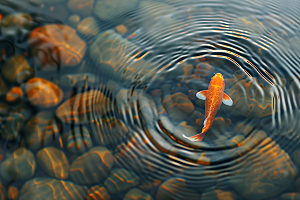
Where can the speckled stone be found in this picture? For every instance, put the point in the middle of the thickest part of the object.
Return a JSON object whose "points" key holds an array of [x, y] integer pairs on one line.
{"points": [[16, 70], [42, 93], [92, 167], [51, 189], [121, 180], [98, 193], [173, 188], [54, 162], [19, 166], [40, 130], [136, 194]]}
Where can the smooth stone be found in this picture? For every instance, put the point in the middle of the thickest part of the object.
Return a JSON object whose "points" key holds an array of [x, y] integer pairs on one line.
{"points": [[268, 171], [16, 70], [214, 193], [121, 29], [99, 193], [51, 189], [14, 122], [74, 20], [55, 46], [15, 94], [71, 80], [92, 167], [178, 106], [12, 192], [88, 27], [2, 191], [81, 7], [83, 108], [15, 23], [136, 194], [42, 93], [110, 9], [18, 166], [290, 196], [174, 188], [3, 87], [54, 162], [79, 140], [121, 180], [40, 131]]}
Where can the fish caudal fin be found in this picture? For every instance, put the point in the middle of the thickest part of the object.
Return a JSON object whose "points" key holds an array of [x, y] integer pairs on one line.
{"points": [[227, 100], [195, 138]]}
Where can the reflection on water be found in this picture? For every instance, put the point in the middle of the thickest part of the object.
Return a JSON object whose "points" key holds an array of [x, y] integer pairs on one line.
{"points": [[95, 96]]}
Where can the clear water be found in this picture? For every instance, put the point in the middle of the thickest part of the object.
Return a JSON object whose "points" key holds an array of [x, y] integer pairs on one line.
{"points": [[96, 94]]}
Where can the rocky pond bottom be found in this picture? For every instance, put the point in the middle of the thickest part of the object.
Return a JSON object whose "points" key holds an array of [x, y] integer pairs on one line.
{"points": [[95, 96]]}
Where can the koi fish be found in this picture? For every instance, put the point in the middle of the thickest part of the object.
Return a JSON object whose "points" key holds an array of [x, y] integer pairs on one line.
{"points": [[213, 97]]}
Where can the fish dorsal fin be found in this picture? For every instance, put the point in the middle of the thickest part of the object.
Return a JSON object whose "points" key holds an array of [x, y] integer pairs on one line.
{"points": [[201, 94], [227, 100]]}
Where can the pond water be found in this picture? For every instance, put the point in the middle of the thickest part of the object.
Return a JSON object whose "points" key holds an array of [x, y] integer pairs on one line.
{"points": [[95, 96]]}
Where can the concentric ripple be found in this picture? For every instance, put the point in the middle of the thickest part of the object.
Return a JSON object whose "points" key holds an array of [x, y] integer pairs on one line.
{"points": [[134, 96]]}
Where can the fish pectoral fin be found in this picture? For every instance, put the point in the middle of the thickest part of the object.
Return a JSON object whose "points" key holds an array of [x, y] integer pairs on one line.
{"points": [[201, 94], [227, 100], [195, 138]]}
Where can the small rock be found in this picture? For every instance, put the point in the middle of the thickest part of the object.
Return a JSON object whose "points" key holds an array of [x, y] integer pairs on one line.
{"points": [[54, 162], [2, 191], [81, 7], [99, 193], [74, 20], [92, 167], [88, 27], [14, 95], [42, 93], [48, 188], [121, 180], [16, 70], [15, 23], [19, 166], [136, 194], [218, 194], [121, 29]]}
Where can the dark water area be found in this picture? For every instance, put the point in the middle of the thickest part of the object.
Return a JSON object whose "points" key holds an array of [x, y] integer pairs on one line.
{"points": [[95, 96]]}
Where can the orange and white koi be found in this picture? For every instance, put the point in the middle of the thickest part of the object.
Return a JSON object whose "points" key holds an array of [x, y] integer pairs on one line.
{"points": [[213, 97]]}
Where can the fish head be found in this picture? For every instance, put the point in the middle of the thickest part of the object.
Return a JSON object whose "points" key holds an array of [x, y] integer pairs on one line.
{"points": [[218, 79]]}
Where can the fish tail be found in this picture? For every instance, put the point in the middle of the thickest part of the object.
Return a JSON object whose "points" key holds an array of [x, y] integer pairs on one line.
{"points": [[195, 138]]}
